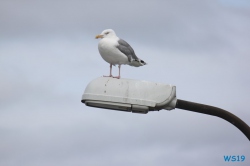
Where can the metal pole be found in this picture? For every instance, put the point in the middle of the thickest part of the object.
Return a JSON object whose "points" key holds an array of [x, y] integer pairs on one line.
{"points": [[210, 110]]}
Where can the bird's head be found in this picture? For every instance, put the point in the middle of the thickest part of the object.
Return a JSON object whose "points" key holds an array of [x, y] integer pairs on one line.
{"points": [[108, 33]]}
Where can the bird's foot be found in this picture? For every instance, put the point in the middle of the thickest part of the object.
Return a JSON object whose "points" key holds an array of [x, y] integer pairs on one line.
{"points": [[108, 76], [118, 77]]}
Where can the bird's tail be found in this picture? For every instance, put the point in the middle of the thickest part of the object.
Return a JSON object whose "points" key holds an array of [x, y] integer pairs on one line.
{"points": [[137, 63]]}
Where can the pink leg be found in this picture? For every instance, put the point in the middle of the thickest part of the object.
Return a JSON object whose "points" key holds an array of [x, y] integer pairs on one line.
{"points": [[118, 77], [110, 71]]}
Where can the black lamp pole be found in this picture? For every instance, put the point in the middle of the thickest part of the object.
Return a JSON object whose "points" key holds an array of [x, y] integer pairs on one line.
{"points": [[210, 110]]}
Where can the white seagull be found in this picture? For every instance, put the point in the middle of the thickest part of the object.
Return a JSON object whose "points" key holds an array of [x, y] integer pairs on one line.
{"points": [[116, 51]]}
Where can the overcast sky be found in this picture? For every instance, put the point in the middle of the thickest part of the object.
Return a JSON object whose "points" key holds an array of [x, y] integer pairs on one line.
{"points": [[48, 55]]}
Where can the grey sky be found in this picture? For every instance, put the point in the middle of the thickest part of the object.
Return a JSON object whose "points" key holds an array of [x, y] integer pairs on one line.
{"points": [[48, 55]]}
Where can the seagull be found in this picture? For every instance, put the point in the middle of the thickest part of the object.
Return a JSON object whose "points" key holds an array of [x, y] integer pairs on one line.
{"points": [[116, 51]]}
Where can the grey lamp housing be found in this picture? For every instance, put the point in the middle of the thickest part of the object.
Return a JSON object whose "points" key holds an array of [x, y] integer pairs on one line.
{"points": [[143, 96], [129, 95]]}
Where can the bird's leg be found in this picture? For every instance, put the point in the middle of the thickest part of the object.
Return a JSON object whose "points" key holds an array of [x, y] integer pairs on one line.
{"points": [[118, 77], [119, 71], [110, 71]]}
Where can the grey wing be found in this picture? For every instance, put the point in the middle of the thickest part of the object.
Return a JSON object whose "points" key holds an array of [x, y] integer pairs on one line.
{"points": [[126, 49]]}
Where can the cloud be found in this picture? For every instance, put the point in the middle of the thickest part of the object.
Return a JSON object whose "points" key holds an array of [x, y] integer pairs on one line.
{"points": [[48, 55]]}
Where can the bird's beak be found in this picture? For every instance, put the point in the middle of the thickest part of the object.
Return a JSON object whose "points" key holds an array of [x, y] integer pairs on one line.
{"points": [[99, 36]]}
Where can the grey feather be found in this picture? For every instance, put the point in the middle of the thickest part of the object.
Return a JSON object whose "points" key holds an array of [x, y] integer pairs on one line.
{"points": [[126, 49]]}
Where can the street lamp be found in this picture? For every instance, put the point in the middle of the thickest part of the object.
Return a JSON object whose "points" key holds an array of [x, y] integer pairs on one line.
{"points": [[142, 96]]}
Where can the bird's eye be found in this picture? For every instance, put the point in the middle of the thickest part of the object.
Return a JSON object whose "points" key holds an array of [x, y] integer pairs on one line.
{"points": [[107, 33]]}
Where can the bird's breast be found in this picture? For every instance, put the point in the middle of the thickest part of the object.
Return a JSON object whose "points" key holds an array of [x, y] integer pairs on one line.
{"points": [[110, 53]]}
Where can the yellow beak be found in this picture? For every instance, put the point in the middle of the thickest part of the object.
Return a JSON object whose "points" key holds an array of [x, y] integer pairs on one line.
{"points": [[99, 36]]}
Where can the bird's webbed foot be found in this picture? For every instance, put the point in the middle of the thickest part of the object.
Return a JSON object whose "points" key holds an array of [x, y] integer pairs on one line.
{"points": [[118, 77], [108, 76]]}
